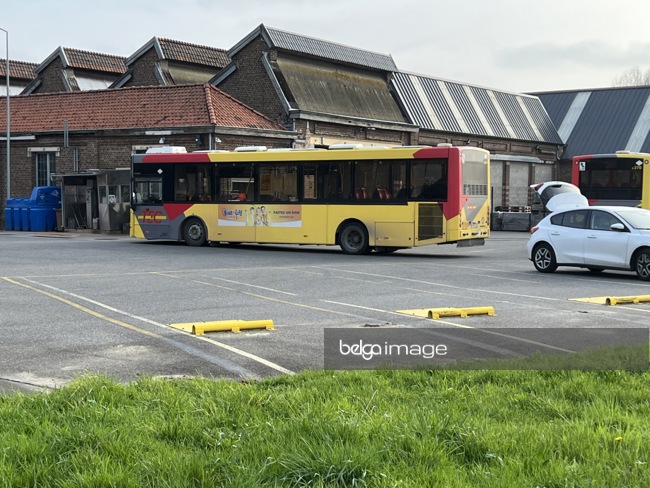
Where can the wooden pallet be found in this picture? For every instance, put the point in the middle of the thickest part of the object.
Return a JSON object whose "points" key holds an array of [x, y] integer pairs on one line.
{"points": [[514, 208]]}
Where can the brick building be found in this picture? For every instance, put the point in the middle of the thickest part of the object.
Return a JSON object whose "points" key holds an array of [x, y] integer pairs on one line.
{"points": [[329, 93], [73, 70], [308, 93], [100, 130], [326, 92], [169, 62]]}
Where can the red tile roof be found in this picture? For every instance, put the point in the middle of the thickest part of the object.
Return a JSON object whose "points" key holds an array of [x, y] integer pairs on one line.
{"points": [[132, 108], [18, 69], [94, 61], [193, 53]]}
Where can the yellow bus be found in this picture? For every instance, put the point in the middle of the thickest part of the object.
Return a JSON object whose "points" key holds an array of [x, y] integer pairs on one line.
{"points": [[361, 198], [613, 179]]}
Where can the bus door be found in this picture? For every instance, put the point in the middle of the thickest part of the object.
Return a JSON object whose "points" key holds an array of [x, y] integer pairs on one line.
{"points": [[430, 190], [149, 219], [278, 213], [236, 214]]}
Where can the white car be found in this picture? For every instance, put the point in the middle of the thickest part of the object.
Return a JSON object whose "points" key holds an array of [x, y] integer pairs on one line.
{"points": [[595, 238]]}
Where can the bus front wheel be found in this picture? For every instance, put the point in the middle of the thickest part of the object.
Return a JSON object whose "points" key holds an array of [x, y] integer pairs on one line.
{"points": [[194, 233], [354, 239]]}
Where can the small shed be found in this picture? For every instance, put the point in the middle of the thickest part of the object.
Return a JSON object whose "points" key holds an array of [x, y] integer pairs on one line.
{"points": [[96, 199]]}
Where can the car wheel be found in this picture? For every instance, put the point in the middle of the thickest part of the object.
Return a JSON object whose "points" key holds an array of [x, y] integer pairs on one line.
{"points": [[354, 239], [544, 258], [642, 264], [194, 233]]}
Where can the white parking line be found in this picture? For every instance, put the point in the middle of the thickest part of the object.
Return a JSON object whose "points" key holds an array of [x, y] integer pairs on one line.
{"points": [[490, 332], [136, 317]]}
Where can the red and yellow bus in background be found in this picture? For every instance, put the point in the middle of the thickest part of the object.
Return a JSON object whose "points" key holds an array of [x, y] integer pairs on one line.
{"points": [[361, 198], [622, 178]]}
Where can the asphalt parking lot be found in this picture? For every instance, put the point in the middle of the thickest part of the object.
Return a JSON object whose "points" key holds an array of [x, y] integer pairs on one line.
{"points": [[74, 304]]}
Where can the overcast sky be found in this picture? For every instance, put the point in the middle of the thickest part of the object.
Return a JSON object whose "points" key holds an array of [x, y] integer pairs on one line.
{"points": [[511, 45]]}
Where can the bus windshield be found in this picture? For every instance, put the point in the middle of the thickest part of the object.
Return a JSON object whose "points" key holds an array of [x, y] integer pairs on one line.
{"points": [[612, 179]]}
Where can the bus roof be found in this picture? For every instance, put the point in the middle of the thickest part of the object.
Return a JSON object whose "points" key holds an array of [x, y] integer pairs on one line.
{"points": [[617, 154], [337, 152]]}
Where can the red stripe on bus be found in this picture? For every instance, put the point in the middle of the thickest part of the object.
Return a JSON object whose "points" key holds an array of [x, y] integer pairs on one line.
{"points": [[176, 158], [173, 210]]}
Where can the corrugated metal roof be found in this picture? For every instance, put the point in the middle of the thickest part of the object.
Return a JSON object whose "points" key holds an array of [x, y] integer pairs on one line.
{"points": [[602, 120], [289, 41], [454, 107]]}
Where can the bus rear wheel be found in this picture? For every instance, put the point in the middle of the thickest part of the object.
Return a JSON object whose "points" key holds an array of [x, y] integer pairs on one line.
{"points": [[194, 233], [354, 239]]}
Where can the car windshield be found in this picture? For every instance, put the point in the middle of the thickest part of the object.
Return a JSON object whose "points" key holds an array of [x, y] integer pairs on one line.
{"points": [[639, 219]]}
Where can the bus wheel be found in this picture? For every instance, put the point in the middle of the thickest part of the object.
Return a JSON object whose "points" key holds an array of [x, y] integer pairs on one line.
{"points": [[194, 232], [354, 239]]}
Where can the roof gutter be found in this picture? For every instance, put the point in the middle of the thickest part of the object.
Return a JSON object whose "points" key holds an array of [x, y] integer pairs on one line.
{"points": [[355, 121]]}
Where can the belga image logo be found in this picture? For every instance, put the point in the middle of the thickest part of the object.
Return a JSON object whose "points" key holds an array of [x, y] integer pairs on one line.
{"points": [[369, 350]]}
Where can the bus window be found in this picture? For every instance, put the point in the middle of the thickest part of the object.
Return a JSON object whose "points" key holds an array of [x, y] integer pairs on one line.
{"points": [[148, 190], [372, 180], [398, 185], [236, 182], [330, 181], [279, 182], [429, 179], [616, 179], [192, 183]]}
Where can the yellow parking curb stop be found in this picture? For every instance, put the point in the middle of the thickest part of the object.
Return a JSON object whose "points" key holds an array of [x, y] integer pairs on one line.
{"points": [[200, 328], [630, 299], [436, 313]]}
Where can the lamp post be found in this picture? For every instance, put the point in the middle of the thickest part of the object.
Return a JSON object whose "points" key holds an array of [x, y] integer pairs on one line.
{"points": [[8, 116]]}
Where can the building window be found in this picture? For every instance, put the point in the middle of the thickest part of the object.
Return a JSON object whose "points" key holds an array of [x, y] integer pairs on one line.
{"points": [[44, 168]]}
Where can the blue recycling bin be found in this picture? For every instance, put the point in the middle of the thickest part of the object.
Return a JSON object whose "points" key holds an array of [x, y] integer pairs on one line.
{"points": [[16, 212], [41, 209], [9, 214], [9, 217], [46, 196], [42, 219], [25, 209]]}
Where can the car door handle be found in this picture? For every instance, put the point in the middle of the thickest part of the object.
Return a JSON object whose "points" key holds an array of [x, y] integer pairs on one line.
{"points": [[555, 233], [592, 236]]}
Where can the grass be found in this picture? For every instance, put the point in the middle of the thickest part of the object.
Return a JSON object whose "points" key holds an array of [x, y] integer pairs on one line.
{"points": [[339, 429]]}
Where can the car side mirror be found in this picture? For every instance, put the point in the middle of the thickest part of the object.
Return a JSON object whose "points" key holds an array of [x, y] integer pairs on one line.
{"points": [[618, 227]]}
